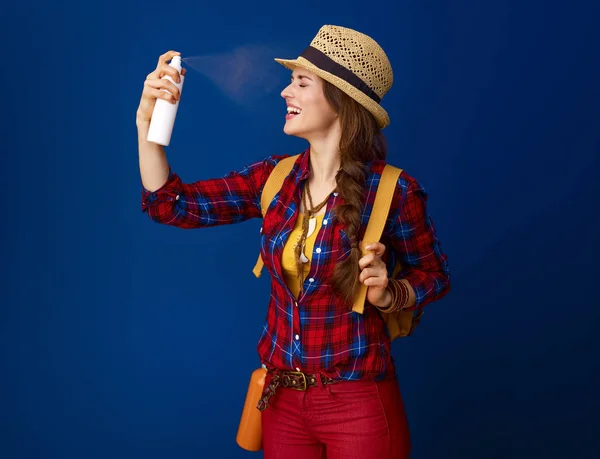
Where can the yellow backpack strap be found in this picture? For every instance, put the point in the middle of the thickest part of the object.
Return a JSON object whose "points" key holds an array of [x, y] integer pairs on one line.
{"points": [[272, 186], [377, 219]]}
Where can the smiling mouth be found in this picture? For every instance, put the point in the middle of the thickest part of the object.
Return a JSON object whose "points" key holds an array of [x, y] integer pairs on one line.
{"points": [[292, 112]]}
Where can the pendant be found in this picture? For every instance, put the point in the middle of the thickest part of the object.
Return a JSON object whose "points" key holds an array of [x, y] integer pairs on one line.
{"points": [[312, 224], [303, 258]]}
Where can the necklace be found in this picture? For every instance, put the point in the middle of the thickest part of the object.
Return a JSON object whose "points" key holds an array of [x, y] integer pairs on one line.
{"points": [[309, 224]]}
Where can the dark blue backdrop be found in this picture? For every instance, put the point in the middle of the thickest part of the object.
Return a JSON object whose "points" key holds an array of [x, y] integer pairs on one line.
{"points": [[118, 337]]}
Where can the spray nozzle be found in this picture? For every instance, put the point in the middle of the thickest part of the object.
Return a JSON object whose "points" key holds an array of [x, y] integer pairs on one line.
{"points": [[176, 62]]}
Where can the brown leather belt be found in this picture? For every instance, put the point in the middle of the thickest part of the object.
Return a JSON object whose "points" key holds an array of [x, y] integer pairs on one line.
{"points": [[296, 380]]}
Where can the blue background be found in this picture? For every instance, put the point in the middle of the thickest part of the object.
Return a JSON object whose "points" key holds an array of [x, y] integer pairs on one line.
{"points": [[121, 338]]}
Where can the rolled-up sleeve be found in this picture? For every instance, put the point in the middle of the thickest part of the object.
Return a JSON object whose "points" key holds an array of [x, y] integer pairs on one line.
{"points": [[414, 243], [232, 198]]}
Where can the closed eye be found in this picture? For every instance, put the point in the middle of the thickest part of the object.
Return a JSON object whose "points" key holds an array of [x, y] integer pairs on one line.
{"points": [[300, 84], [301, 77]]}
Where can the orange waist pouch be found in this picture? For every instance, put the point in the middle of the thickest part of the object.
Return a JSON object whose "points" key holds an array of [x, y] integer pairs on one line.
{"points": [[249, 435]]}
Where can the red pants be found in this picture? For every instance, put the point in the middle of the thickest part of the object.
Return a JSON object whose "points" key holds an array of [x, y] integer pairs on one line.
{"points": [[347, 420]]}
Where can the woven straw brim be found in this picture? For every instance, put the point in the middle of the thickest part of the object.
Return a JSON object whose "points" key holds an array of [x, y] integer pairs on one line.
{"points": [[383, 120]]}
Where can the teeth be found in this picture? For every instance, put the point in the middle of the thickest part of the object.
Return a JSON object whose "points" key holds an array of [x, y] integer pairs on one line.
{"points": [[294, 110]]}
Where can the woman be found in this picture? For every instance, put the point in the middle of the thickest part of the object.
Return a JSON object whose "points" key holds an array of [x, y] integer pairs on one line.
{"points": [[337, 394]]}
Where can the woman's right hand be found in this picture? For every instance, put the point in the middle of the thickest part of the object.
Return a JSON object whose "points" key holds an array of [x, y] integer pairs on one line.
{"points": [[154, 85]]}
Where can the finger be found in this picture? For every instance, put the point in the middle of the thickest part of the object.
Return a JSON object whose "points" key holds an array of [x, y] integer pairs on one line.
{"points": [[371, 260], [372, 272], [376, 247], [166, 57], [152, 75], [375, 282], [363, 275], [159, 94], [169, 71], [366, 260], [163, 70], [183, 71], [164, 84]]}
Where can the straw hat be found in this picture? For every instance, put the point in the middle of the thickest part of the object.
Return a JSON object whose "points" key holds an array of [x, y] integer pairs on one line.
{"points": [[351, 61]]}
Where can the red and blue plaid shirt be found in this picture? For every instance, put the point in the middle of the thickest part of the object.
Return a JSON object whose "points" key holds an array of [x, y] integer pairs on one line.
{"points": [[316, 332]]}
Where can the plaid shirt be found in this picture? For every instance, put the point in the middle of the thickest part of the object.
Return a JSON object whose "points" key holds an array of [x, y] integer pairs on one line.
{"points": [[316, 332]]}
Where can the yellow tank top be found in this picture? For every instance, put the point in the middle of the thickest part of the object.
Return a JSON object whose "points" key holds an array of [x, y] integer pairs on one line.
{"points": [[288, 257]]}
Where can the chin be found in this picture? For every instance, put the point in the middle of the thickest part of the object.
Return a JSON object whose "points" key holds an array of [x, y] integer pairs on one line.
{"points": [[289, 130]]}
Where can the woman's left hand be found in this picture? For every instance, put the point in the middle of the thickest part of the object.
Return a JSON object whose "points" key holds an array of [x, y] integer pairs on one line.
{"points": [[374, 274]]}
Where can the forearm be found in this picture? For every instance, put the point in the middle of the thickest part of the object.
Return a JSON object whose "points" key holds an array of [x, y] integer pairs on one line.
{"points": [[154, 168], [418, 255], [228, 199], [429, 286]]}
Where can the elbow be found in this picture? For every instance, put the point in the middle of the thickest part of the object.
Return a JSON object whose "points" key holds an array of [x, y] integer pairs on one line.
{"points": [[442, 283], [445, 289], [164, 213], [430, 287]]}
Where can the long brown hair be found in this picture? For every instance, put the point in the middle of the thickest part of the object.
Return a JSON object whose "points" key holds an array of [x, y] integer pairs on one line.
{"points": [[361, 141]]}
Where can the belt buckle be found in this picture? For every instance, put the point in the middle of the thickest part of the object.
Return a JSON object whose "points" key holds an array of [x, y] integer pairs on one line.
{"points": [[303, 379]]}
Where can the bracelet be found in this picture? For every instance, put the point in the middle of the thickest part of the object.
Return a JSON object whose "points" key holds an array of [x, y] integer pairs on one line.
{"points": [[400, 295], [394, 293], [405, 295]]}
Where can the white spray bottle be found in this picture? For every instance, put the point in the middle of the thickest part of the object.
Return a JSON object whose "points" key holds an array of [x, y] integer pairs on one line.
{"points": [[163, 116]]}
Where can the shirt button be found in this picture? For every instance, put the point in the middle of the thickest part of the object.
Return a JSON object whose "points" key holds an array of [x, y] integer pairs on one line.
{"points": [[335, 194], [297, 369], [260, 231], [297, 337], [177, 198], [318, 250], [325, 221], [311, 280], [296, 303]]}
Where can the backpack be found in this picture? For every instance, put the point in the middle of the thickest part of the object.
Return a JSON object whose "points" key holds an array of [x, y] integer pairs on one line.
{"points": [[400, 323]]}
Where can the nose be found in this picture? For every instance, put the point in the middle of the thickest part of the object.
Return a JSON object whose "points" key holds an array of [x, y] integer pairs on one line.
{"points": [[286, 93]]}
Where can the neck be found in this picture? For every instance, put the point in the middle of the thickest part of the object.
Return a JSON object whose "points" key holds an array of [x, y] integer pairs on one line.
{"points": [[325, 159]]}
